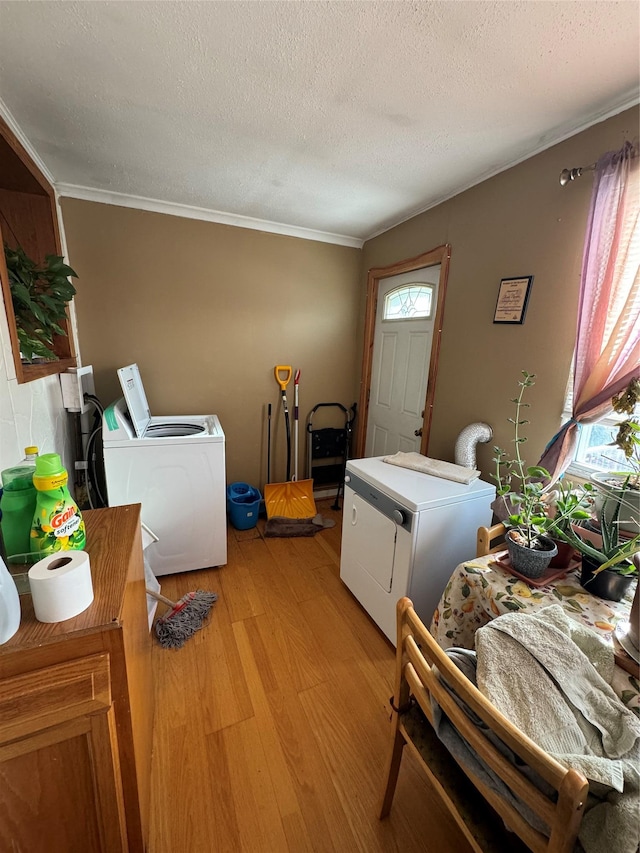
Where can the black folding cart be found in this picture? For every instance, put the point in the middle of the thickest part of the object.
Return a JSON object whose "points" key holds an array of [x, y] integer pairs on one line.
{"points": [[328, 448]]}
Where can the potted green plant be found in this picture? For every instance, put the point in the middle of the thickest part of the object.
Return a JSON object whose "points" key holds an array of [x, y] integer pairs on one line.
{"points": [[40, 295], [522, 490], [607, 556], [624, 486], [568, 505]]}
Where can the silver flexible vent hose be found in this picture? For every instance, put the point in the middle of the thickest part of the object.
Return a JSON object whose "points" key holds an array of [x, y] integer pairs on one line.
{"points": [[472, 435]]}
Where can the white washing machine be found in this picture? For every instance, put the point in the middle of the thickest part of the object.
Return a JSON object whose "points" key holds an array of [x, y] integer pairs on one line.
{"points": [[175, 468], [403, 533]]}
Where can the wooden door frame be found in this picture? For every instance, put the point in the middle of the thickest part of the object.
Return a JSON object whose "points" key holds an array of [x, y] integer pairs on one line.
{"points": [[439, 255]]}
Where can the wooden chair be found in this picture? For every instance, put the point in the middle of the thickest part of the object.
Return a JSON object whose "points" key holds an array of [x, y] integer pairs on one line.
{"points": [[466, 796], [490, 539]]}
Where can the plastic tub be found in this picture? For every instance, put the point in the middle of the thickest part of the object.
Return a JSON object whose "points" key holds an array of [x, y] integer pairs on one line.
{"points": [[243, 505]]}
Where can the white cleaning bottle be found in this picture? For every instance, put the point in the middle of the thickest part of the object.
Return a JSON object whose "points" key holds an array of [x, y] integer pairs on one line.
{"points": [[9, 604]]}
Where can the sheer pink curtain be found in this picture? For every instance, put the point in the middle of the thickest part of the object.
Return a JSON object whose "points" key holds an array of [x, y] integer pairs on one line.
{"points": [[607, 353]]}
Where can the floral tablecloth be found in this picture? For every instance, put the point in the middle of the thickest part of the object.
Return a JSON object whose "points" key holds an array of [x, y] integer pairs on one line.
{"points": [[479, 591]]}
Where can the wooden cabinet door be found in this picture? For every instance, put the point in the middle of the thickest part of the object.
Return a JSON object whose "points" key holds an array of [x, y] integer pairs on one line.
{"points": [[60, 790], [60, 786]]}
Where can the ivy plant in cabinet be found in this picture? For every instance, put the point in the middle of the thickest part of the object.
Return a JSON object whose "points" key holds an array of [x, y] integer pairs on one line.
{"points": [[29, 219], [76, 710]]}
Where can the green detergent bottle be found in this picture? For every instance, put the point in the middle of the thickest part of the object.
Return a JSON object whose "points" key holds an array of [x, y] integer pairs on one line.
{"points": [[18, 504], [57, 521]]}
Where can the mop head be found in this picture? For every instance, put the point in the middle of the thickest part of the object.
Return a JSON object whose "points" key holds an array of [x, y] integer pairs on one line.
{"points": [[286, 527], [182, 621]]}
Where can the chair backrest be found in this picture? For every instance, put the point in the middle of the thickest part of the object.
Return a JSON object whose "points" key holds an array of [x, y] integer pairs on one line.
{"points": [[421, 666], [490, 539]]}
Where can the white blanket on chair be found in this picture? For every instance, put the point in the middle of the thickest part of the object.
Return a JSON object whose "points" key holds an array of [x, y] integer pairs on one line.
{"points": [[551, 690]]}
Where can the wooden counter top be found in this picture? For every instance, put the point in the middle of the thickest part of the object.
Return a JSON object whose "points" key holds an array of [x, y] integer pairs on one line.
{"points": [[109, 536]]}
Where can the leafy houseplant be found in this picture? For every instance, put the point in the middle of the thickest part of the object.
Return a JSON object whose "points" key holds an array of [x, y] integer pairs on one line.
{"points": [[614, 553], [607, 556], [623, 486], [40, 295], [522, 490], [628, 435], [569, 505], [604, 551]]}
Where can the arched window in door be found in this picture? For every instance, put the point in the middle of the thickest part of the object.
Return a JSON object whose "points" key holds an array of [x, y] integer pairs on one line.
{"points": [[409, 302]]}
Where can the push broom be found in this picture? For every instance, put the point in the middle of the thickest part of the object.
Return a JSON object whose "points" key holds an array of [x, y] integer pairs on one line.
{"points": [[183, 618]]}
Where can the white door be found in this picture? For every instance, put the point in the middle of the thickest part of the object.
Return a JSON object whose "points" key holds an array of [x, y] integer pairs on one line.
{"points": [[403, 334]]}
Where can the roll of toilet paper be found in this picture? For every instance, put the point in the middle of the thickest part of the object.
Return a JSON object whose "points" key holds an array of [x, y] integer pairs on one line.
{"points": [[61, 586]]}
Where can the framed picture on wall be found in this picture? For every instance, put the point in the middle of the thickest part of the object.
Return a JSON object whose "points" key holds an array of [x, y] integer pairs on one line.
{"points": [[513, 297]]}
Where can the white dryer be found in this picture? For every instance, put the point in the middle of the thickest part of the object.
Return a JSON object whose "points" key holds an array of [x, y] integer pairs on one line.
{"points": [[175, 468], [403, 533]]}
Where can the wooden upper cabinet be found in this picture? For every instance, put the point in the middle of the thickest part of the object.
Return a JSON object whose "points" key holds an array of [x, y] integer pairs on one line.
{"points": [[29, 218]]}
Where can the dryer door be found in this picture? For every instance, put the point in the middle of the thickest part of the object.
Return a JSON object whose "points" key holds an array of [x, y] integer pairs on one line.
{"points": [[369, 552], [372, 541], [368, 544]]}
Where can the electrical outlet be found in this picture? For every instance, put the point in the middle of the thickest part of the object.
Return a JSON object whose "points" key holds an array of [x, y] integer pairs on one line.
{"points": [[75, 383]]}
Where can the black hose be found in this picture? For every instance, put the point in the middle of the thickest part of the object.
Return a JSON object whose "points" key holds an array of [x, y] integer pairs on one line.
{"points": [[94, 471]]}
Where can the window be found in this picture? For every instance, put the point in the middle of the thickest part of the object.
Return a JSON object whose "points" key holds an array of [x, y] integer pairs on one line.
{"points": [[409, 302], [595, 450]]}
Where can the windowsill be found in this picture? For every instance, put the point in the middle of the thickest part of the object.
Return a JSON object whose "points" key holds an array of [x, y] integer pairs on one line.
{"points": [[582, 472]]}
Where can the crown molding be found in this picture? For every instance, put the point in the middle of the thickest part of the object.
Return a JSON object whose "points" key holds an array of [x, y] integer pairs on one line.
{"points": [[170, 208], [188, 212]]}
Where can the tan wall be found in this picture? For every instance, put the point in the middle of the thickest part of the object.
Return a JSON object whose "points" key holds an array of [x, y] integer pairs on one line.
{"points": [[521, 222], [206, 311]]}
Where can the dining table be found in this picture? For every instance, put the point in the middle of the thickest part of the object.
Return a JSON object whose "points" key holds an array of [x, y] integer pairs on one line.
{"points": [[481, 589]]}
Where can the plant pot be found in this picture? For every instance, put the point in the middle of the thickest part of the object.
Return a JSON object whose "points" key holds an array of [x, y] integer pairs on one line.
{"points": [[531, 562], [609, 584], [610, 492], [564, 556]]}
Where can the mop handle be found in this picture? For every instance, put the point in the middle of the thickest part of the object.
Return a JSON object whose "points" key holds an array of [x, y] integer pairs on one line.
{"points": [[269, 444], [161, 598], [296, 382]]}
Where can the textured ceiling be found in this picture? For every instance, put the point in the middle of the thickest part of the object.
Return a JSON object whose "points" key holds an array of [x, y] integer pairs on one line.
{"points": [[342, 117]]}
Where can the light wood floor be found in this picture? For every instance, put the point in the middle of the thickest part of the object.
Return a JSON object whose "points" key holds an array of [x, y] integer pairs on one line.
{"points": [[272, 723]]}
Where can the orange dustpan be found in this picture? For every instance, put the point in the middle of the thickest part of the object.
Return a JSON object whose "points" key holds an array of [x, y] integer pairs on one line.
{"points": [[293, 499], [290, 500]]}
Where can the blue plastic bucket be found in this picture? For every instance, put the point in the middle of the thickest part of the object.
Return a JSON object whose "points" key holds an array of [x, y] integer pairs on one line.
{"points": [[243, 505]]}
